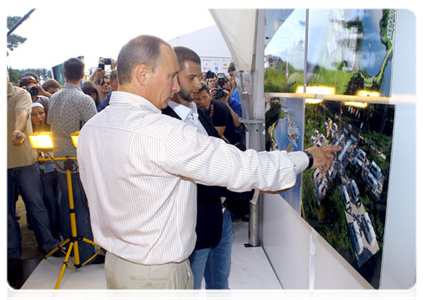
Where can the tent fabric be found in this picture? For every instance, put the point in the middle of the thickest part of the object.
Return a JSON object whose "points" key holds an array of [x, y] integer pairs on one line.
{"points": [[238, 29], [205, 42]]}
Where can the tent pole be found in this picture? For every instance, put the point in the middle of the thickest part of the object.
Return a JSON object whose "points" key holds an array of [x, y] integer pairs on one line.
{"points": [[257, 124]]}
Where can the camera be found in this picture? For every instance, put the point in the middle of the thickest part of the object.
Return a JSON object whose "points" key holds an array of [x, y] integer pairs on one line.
{"points": [[221, 82], [33, 91]]}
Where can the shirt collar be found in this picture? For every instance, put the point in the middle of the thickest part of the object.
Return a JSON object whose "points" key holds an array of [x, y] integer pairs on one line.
{"points": [[119, 97], [182, 111], [71, 85]]}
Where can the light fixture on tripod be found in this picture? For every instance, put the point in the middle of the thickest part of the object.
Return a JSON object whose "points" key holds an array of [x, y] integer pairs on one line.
{"points": [[43, 142]]}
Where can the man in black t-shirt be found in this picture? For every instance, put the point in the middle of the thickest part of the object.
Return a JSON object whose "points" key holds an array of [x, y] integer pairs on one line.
{"points": [[220, 115]]}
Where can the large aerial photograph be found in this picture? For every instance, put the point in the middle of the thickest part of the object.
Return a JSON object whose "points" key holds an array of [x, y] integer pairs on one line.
{"points": [[347, 204], [351, 50]]}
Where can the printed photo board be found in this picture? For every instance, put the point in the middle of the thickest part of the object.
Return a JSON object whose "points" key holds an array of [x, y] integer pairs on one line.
{"points": [[285, 47], [284, 131], [346, 205], [351, 50]]}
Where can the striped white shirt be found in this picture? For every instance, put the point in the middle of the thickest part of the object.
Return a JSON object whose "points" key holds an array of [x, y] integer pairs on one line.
{"points": [[139, 168]]}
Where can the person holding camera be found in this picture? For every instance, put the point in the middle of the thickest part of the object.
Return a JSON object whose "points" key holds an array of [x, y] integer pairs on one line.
{"points": [[210, 79], [114, 86], [219, 113], [223, 91], [102, 77], [38, 94]]}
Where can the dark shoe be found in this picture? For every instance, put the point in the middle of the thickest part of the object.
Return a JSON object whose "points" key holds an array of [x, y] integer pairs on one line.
{"points": [[58, 253], [17, 216], [99, 259], [14, 264]]}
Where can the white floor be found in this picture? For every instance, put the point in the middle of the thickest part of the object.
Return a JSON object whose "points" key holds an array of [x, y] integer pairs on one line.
{"points": [[250, 270]]}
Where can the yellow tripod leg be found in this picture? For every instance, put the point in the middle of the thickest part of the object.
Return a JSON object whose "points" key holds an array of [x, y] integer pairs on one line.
{"points": [[72, 217], [62, 271]]}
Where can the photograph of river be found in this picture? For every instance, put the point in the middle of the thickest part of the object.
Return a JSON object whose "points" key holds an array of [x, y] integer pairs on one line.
{"points": [[284, 131], [347, 204], [351, 50]]}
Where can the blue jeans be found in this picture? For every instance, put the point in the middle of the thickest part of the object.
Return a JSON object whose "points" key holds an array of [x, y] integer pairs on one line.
{"points": [[82, 214], [51, 199], [214, 264], [27, 180]]}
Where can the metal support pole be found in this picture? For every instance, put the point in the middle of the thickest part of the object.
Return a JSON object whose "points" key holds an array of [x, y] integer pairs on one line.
{"points": [[256, 125], [20, 22]]}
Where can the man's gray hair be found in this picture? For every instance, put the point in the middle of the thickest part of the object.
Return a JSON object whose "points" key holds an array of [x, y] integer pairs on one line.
{"points": [[144, 49]]}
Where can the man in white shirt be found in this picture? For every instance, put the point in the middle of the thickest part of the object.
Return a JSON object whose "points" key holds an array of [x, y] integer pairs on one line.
{"points": [[139, 169]]}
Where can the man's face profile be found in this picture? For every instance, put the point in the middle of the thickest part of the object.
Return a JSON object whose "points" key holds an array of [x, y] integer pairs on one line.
{"points": [[163, 83], [189, 80]]}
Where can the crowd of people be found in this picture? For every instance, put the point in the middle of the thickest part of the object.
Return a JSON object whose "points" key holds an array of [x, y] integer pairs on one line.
{"points": [[160, 153]]}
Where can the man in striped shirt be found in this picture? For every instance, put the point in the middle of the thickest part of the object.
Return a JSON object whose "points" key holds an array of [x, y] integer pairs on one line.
{"points": [[139, 169]]}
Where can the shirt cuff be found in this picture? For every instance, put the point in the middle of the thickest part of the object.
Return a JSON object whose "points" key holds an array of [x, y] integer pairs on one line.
{"points": [[300, 160]]}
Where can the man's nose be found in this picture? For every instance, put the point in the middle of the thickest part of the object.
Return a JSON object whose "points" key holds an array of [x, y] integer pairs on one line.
{"points": [[198, 83], [176, 87]]}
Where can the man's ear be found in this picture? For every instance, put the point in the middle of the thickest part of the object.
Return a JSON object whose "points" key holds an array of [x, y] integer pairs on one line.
{"points": [[143, 73]]}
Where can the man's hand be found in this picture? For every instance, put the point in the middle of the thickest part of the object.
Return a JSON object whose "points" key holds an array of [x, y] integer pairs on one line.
{"points": [[323, 157], [17, 138], [97, 75], [42, 92], [225, 99], [213, 93], [114, 64]]}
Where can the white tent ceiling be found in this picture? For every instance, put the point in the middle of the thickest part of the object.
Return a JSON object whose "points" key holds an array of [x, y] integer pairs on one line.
{"points": [[238, 29], [205, 42]]}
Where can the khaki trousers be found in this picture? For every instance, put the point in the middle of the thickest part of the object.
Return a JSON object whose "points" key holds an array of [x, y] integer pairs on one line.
{"points": [[123, 274]]}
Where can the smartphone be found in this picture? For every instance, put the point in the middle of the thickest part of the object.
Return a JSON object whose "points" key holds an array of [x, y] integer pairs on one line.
{"points": [[101, 66]]}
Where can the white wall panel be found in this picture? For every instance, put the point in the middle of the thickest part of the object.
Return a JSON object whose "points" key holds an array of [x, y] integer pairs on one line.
{"points": [[286, 240]]}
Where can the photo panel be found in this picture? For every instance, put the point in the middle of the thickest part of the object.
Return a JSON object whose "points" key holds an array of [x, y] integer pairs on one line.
{"points": [[347, 204], [284, 132], [285, 32], [351, 50]]}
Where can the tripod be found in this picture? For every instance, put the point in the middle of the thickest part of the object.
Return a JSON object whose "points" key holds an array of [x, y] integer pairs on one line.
{"points": [[74, 239]]}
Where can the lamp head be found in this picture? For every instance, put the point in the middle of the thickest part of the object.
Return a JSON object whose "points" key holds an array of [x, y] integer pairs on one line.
{"points": [[74, 137], [41, 140]]}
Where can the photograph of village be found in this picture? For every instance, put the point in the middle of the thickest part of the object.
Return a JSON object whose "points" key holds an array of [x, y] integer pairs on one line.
{"points": [[347, 204]]}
